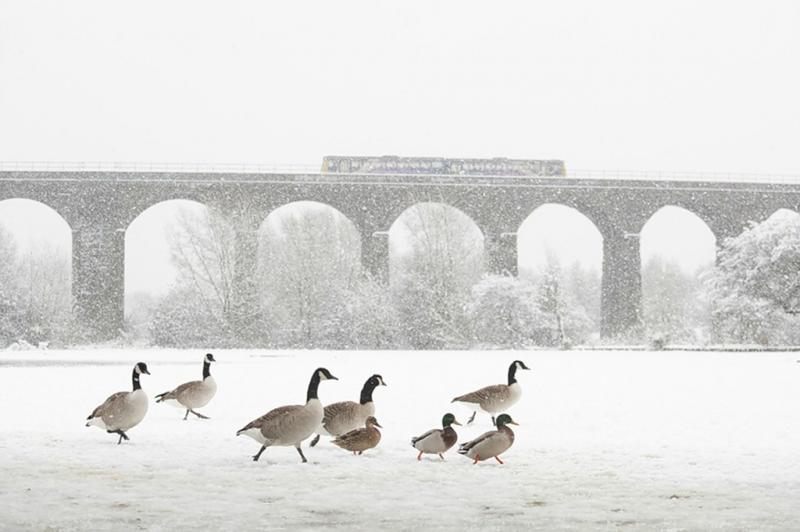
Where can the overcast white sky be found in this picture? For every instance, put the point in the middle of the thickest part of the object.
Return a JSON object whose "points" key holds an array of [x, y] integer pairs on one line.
{"points": [[603, 85], [705, 86]]}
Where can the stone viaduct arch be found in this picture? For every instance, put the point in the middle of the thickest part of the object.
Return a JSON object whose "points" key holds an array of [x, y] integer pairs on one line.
{"points": [[98, 206]]}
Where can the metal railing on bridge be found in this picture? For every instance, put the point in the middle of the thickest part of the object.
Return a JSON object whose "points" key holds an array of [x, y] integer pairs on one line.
{"points": [[311, 169]]}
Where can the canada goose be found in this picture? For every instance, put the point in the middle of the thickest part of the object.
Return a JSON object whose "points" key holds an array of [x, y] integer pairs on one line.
{"points": [[290, 425], [437, 440], [490, 444], [348, 415], [359, 440], [194, 394], [495, 398], [122, 410]]}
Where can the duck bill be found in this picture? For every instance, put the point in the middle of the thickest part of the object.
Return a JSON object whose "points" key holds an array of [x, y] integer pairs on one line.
{"points": [[457, 423], [512, 423], [376, 424]]}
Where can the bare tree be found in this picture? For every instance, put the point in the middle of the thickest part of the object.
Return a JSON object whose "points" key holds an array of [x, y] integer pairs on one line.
{"points": [[442, 259], [35, 296], [201, 247], [309, 263], [197, 309]]}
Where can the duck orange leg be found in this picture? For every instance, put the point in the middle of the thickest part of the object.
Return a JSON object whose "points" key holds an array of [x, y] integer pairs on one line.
{"points": [[419, 456], [477, 457], [498, 459]]}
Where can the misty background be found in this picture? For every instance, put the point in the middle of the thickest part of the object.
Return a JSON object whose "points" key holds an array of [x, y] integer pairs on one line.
{"points": [[684, 86]]}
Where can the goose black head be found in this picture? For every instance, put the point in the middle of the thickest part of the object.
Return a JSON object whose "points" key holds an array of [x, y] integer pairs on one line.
{"points": [[505, 419], [141, 367], [449, 419], [376, 380], [209, 358], [520, 364], [324, 375]]}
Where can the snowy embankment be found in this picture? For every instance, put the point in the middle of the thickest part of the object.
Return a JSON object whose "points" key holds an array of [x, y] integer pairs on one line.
{"points": [[666, 441]]}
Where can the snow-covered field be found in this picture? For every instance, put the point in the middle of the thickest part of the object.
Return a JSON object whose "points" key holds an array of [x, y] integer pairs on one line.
{"points": [[637, 441]]}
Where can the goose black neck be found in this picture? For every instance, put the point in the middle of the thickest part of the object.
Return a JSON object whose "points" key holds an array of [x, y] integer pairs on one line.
{"points": [[313, 386], [136, 385], [206, 369], [512, 372], [366, 392]]}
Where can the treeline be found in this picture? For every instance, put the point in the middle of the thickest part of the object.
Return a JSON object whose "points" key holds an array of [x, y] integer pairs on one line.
{"points": [[312, 292], [309, 291], [35, 298]]}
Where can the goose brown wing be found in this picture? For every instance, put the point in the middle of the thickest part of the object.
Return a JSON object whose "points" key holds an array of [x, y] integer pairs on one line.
{"points": [[103, 408], [339, 416], [175, 394], [494, 392], [274, 422]]}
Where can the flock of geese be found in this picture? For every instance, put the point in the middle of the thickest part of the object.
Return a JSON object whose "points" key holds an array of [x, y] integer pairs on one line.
{"points": [[352, 425]]}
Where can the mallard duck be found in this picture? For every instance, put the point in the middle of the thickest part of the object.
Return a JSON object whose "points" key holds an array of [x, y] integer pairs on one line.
{"points": [[194, 394], [289, 425], [345, 416], [496, 398], [360, 440], [123, 410], [490, 444], [437, 440]]}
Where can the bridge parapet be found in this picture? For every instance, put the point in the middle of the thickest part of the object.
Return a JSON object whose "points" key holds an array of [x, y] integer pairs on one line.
{"points": [[365, 168]]}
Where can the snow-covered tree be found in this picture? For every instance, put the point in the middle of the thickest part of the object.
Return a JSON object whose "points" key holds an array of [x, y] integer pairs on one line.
{"points": [[580, 285], [196, 310], [43, 294], [202, 251], [755, 286], [675, 305], [9, 328], [182, 320], [503, 312], [565, 320], [35, 299], [309, 264], [367, 319], [442, 259]]}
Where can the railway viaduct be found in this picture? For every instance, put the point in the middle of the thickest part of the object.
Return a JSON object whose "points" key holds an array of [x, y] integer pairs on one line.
{"points": [[372, 193]]}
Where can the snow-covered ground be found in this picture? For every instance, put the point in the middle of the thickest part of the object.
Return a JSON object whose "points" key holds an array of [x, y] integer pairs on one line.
{"points": [[638, 441]]}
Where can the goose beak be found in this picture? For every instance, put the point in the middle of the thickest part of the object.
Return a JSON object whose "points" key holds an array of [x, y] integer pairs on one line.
{"points": [[146, 372], [383, 383], [332, 378]]}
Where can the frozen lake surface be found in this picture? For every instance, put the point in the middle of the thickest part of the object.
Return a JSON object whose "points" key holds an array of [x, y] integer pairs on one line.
{"points": [[632, 441]]}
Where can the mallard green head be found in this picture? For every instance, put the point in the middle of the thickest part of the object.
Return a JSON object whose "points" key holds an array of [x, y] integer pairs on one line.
{"points": [[449, 419], [505, 419]]}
